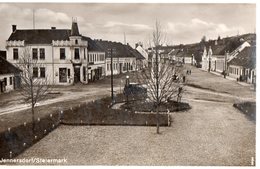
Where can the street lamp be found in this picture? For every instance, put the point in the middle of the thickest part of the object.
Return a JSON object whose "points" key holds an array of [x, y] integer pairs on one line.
{"points": [[127, 89]]}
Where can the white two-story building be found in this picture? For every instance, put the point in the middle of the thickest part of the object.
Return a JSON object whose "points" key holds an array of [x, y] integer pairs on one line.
{"points": [[61, 53]]}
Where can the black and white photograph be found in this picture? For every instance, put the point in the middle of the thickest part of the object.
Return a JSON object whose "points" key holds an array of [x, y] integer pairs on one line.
{"points": [[128, 83]]}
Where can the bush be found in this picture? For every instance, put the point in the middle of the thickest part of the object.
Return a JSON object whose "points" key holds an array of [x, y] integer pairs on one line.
{"points": [[248, 108], [22, 136], [99, 113]]}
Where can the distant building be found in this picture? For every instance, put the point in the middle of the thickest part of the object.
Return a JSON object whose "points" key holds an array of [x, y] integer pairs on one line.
{"points": [[96, 60], [217, 55], [243, 66], [124, 59], [9, 76], [142, 51]]}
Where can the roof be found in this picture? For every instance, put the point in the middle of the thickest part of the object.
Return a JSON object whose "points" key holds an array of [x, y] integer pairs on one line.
{"points": [[74, 29], [136, 53], [246, 58], [40, 36], [121, 50], [92, 45], [7, 68]]}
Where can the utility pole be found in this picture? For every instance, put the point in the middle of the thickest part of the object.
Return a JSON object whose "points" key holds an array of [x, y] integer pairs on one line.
{"points": [[110, 53]]}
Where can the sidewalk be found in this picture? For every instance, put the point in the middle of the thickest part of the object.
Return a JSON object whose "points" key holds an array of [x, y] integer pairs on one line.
{"points": [[230, 78]]}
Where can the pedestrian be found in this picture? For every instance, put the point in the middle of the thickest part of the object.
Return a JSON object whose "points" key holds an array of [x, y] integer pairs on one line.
{"points": [[190, 71], [187, 72], [183, 79]]}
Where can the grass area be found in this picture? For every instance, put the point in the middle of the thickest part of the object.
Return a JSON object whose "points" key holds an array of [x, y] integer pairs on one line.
{"points": [[99, 112], [248, 108], [142, 106]]}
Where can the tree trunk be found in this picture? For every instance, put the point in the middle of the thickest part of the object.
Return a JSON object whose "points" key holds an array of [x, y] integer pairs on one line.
{"points": [[33, 119], [158, 122]]}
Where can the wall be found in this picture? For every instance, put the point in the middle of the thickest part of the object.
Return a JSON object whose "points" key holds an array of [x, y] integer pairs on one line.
{"points": [[117, 61], [52, 61], [9, 87]]}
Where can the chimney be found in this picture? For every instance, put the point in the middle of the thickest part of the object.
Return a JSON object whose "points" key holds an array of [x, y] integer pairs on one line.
{"points": [[136, 45], [14, 28], [53, 28]]}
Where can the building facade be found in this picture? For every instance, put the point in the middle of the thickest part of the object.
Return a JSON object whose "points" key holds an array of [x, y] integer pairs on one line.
{"points": [[124, 59], [60, 53], [9, 76], [243, 67]]}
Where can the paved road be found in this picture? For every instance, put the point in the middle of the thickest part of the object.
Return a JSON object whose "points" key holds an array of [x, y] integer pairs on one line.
{"points": [[211, 133]]}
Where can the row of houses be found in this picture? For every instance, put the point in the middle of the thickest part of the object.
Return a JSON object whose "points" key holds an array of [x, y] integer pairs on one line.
{"points": [[236, 58], [66, 57], [231, 56]]}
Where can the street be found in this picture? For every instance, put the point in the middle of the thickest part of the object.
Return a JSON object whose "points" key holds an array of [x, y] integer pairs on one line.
{"points": [[211, 133]]}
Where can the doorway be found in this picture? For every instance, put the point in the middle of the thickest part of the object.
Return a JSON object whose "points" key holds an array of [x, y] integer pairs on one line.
{"points": [[76, 74]]}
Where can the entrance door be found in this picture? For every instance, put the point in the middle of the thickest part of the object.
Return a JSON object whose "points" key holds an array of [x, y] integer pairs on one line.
{"points": [[76, 74], [62, 75]]}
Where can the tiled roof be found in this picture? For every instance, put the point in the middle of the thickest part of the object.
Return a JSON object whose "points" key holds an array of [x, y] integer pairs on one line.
{"points": [[40, 36], [92, 45], [6, 67], [136, 53], [246, 58], [120, 50]]}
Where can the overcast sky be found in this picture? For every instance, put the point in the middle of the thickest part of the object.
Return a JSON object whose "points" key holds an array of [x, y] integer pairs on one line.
{"points": [[182, 23]]}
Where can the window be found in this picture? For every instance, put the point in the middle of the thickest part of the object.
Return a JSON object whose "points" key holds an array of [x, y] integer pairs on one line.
{"points": [[11, 80], [76, 41], [15, 54], [42, 72], [42, 53], [5, 81], [107, 66], [35, 72], [68, 72], [62, 54], [35, 53], [76, 53], [84, 54]]}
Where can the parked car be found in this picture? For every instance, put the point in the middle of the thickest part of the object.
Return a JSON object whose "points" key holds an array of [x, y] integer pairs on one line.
{"points": [[135, 89]]}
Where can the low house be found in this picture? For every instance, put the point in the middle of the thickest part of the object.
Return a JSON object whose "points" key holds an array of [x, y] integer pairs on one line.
{"points": [[96, 60], [218, 53], [141, 61], [9, 76], [243, 66], [143, 52], [123, 59], [184, 56]]}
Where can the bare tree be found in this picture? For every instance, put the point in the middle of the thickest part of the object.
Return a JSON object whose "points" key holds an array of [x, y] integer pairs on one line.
{"points": [[33, 88], [163, 80]]}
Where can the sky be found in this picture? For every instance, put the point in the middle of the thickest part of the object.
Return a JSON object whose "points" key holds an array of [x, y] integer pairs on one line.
{"points": [[181, 23]]}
